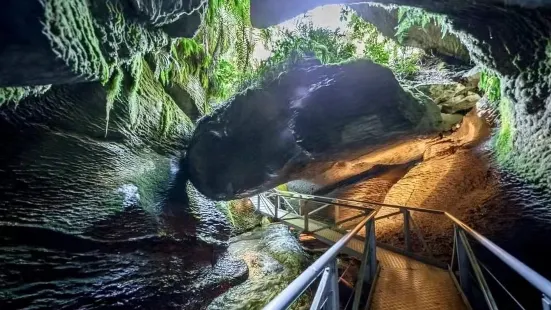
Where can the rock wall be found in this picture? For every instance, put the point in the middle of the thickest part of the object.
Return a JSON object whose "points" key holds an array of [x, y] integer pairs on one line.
{"points": [[310, 113], [57, 41], [429, 38], [101, 216], [90, 195]]}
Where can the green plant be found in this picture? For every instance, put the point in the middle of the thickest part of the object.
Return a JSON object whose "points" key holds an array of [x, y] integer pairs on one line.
{"points": [[503, 141], [403, 61], [490, 84], [409, 17], [326, 45]]}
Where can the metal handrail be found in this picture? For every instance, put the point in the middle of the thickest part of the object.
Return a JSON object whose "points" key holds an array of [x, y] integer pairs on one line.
{"points": [[530, 275], [522, 269], [348, 201], [300, 284], [461, 245]]}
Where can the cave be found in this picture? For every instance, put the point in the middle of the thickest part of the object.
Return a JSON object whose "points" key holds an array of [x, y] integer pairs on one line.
{"points": [[137, 135]]}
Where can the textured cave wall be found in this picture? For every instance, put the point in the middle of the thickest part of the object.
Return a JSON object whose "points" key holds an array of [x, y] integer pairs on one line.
{"points": [[101, 217], [309, 113], [94, 203], [56, 42], [510, 39]]}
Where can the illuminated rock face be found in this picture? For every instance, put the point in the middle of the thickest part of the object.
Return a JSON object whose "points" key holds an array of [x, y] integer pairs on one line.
{"points": [[308, 114], [511, 39]]}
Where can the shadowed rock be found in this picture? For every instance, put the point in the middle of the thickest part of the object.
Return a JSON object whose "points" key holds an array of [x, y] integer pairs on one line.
{"points": [[310, 113]]}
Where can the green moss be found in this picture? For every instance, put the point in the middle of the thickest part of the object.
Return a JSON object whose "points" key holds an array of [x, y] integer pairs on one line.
{"points": [[16, 94], [503, 142], [240, 214], [114, 89], [70, 28], [490, 84], [136, 71]]}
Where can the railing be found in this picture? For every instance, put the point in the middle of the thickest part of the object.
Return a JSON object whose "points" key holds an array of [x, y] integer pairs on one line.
{"points": [[318, 204], [466, 269], [327, 293]]}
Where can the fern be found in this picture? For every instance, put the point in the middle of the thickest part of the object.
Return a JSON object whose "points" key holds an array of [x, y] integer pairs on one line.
{"points": [[403, 61], [409, 17]]}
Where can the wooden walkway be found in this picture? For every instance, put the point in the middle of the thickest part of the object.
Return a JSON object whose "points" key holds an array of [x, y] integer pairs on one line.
{"points": [[403, 282]]}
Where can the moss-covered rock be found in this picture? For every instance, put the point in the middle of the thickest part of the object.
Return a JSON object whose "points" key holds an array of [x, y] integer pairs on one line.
{"points": [[274, 258]]}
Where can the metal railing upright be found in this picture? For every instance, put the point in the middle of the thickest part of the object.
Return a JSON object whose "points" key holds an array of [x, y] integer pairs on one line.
{"points": [[466, 269]]}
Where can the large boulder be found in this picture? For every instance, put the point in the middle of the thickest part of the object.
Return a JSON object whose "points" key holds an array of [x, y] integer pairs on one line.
{"points": [[510, 39], [309, 113]]}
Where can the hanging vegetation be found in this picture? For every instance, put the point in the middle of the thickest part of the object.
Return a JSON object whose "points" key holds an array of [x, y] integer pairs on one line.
{"points": [[409, 17], [117, 50], [223, 38]]}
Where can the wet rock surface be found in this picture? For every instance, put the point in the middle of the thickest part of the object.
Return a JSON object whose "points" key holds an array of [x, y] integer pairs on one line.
{"points": [[90, 219], [307, 114], [274, 258]]}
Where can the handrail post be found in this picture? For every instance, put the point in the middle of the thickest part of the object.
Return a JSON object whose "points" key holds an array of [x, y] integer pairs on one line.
{"points": [[407, 238], [546, 302], [306, 222], [462, 263], [477, 272], [372, 250], [368, 267], [258, 202], [334, 285]]}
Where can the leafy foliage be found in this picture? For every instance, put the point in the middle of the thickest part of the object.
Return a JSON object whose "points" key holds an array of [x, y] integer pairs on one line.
{"points": [[490, 84], [326, 45], [403, 61], [409, 17]]}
